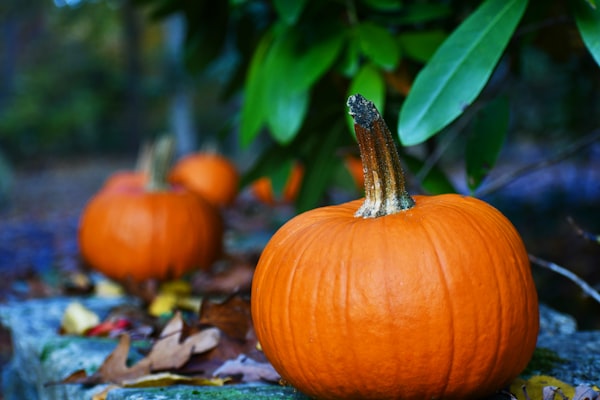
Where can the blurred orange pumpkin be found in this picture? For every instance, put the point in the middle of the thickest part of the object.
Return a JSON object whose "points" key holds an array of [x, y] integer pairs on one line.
{"points": [[149, 230], [210, 175]]}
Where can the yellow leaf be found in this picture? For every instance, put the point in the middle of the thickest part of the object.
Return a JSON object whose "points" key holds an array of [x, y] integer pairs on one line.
{"points": [[167, 379], [179, 288], [162, 304], [77, 319], [106, 288], [536, 384], [189, 303]]}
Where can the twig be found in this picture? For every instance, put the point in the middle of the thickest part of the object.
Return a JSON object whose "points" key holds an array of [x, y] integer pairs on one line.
{"points": [[583, 233], [590, 291], [555, 158]]}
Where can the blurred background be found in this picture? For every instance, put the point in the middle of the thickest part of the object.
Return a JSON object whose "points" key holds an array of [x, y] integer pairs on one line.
{"points": [[83, 83]]}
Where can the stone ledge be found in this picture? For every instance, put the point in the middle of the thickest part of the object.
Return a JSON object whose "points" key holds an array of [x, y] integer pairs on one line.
{"points": [[41, 356]]}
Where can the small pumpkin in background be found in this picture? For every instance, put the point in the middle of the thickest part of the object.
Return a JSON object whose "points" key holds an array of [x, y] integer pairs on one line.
{"points": [[210, 175], [395, 296], [151, 231], [137, 177], [263, 187]]}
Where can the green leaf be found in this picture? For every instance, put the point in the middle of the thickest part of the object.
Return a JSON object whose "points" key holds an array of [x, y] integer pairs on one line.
{"points": [[486, 140], [285, 112], [289, 11], [588, 23], [378, 44], [309, 66], [369, 83], [350, 60], [253, 109], [435, 182], [421, 46], [289, 69], [458, 70]]}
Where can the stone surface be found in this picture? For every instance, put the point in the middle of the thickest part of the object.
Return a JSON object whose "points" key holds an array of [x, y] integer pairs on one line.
{"points": [[42, 356]]}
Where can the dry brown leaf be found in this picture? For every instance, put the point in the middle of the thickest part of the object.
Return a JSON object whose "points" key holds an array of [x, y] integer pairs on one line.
{"points": [[249, 369], [235, 279], [114, 369], [232, 317], [170, 352]]}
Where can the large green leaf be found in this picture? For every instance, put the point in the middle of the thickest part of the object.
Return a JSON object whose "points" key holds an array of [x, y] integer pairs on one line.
{"points": [[285, 75], [458, 70], [309, 65], [369, 83], [289, 11], [286, 110], [486, 140], [253, 111], [588, 23], [378, 45]]}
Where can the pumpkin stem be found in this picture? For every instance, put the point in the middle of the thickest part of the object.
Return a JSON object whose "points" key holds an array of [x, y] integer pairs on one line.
{"points": [[385, 191], [161, 156]]}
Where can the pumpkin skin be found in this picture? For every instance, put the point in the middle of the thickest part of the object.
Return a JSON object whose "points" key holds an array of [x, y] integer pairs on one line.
{"points": [[263, 187], [209, 175], [435, 302], [131, 233]]}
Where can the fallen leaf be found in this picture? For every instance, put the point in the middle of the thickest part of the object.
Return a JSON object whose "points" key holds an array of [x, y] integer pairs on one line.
{"points": [[114, 369], [233, 316], [534, 388], [235, 279], [77, 319], [585, 392], [107, 288], [169, 352], [163, 303], [168, 379], [249, 369], [110, 327], [174, 295]]}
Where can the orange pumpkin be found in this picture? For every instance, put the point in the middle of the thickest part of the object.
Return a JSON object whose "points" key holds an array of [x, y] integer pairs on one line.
{"points": [[210, 175], [394, 296], [263, 187], [149, 232]]}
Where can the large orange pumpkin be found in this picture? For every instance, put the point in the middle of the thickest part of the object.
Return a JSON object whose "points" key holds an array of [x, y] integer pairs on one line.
{"points": [[395, 297], [210, 175], [149, 232]]}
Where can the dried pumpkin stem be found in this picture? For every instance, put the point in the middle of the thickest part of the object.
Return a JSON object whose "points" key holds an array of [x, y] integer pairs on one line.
{"points": [[162, 153], [385, 191]]}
